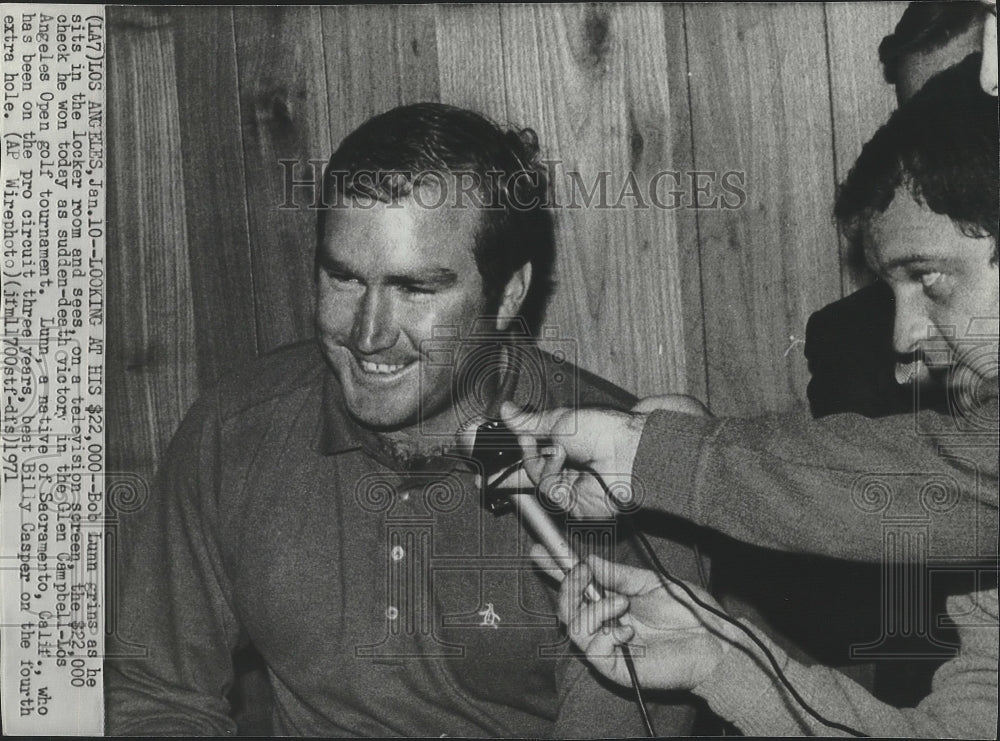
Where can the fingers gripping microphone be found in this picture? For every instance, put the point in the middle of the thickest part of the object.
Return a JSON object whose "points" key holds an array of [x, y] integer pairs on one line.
{"points": [[496, 449]]}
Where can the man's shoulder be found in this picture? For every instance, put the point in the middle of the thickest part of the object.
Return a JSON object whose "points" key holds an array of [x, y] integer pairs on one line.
{"points": [[277, 374], [572, 386]]}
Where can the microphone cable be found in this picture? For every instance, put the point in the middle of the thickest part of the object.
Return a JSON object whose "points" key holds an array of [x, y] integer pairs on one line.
{"points": [[496, 459], [666, 578], [505, 473]]}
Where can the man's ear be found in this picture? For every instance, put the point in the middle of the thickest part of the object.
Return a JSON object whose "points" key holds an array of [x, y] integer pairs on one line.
{"points": [[514, 294]]}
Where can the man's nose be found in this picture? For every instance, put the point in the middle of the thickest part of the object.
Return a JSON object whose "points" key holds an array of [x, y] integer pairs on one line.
{"points": [[374, 324], [910, 326]]}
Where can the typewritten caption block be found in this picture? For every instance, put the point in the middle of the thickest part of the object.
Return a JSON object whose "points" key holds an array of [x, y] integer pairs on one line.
{"points": [[52, 513]]}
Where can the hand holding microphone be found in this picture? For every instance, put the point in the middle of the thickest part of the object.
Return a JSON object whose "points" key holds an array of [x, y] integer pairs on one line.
{"points": [[498, 451], [492, 448], [548, 440], [550, 541], [683, 633], [596, 442], [680, 643]]}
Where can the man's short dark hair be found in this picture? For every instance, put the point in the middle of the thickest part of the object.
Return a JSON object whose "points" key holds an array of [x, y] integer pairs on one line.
{"points": [[923, 28], [393, 153], [941, 145]]}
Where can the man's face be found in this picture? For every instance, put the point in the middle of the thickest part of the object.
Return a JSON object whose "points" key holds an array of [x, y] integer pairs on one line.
{"points": [[387, 276], [944, 286], [916, 69]]}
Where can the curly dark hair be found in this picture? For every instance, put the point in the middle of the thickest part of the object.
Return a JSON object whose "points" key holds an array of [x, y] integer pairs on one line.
{"points": [[941, 145], [412, 146], [923, 28]]}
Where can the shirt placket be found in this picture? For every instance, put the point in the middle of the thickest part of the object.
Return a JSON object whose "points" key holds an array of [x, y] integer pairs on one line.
{"points": [[407, 544]]}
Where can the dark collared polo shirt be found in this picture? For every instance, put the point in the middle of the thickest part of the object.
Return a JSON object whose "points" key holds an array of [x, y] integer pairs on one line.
{"points": [[383, 602]]}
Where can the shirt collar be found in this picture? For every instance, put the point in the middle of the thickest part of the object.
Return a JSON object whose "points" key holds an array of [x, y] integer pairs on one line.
{"points": [[338, 433]]}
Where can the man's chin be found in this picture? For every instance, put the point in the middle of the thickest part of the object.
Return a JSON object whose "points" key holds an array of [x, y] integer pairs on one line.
{"points": [[411, 423], [381, 420]]}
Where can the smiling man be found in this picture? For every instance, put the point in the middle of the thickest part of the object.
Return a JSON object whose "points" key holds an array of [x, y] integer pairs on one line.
{"points": [[389, 276], [317, 505]]}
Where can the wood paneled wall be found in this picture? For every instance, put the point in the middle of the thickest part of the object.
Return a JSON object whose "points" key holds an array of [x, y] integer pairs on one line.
{"points": [[207, 271]]}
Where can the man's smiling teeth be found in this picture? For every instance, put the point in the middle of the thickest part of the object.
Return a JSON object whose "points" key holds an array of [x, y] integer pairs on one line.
{"points": [[385, 368]]}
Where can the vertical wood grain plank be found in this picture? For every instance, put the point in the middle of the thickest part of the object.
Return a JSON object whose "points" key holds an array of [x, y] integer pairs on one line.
{"points": [[595, 81], [378, 57], [862, 100], [152, 357], [470, 59], [688, 246], [284, 116], [760, 104], [214, 179]]}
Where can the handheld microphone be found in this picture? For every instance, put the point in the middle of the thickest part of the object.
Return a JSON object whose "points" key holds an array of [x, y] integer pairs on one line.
{"points": [[496, 449]]}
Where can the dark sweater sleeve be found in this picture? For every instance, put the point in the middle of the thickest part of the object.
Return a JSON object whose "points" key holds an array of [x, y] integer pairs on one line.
{"points": [[826, 486], [176, 630], [962, 702]]}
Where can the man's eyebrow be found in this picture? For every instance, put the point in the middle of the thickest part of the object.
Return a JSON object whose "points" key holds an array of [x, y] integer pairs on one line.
{"points": [[433, 276], [438, 277], [332, 263], [909, 260]]}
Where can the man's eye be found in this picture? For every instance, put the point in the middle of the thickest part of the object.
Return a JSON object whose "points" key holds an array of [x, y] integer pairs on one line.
{"points": [[337, 277], [929, 279], [417, 290]]}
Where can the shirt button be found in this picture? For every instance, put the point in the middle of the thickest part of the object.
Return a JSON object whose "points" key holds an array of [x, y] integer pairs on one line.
{"points": [[391, 612], [397, 553]]}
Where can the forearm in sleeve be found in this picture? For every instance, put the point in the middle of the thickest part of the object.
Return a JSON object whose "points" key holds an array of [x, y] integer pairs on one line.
{"points": [[822, 486], [962, 703]]}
